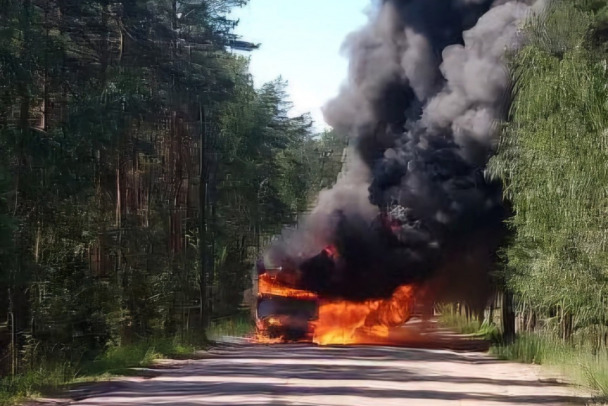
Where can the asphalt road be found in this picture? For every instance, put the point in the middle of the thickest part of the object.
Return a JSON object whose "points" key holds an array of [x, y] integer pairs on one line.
{"points": [[248, 374]]}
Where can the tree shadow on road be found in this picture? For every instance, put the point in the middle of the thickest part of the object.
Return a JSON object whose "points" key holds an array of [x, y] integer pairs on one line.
{"points": [[300, 374]]}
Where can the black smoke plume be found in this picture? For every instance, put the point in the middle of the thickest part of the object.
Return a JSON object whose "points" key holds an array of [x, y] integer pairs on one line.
{"points": [[427, 87]]}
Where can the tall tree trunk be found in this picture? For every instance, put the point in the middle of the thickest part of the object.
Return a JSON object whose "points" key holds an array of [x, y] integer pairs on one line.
{"points": [[203, 222], [508, 316], [18, 283], [13, 331], [491, 311], [566, 324], [531, 324]]}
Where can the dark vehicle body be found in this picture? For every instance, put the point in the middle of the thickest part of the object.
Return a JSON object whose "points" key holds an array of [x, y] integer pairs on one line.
{"points": [[283, 317]]}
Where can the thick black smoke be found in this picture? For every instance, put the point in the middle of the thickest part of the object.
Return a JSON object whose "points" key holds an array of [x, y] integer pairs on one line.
{"points": [[427, 86]]}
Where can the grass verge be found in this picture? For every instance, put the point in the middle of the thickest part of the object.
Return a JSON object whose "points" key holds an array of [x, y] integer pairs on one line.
{"points": [[54, 378], [239, 325], [580, 364], [118, 360], [46, 379], [463, 325]]}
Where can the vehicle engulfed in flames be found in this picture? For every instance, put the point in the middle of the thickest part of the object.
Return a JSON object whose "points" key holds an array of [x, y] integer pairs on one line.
{"points": [[283, 314], [286, 314]]}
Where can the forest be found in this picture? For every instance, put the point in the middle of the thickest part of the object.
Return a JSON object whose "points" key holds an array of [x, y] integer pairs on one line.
{"points": [[140, 173]]}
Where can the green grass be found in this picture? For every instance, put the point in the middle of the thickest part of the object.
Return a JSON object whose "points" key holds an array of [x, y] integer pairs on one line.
{"points": [[529, 349], [580, 364], [239, 325], [50, 379], [461, 324], [47, 379], [118, 359]]}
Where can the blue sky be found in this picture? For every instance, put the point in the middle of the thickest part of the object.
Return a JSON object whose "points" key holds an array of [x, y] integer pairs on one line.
{"points": [[301, 42]]}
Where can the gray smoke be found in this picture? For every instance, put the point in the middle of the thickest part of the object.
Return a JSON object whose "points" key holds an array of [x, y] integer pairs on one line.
{"points": [[427, 88]]}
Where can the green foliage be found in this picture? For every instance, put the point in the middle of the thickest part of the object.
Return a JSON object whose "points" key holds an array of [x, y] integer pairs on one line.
{"points": [[118, 359], [270, 172], [529, 349], [325, 156], [239, 325], [49, 378], [43, 378], [552, 162]]}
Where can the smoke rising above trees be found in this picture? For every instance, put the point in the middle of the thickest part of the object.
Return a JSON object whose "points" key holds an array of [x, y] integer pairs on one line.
{"points": [[427, 88]]}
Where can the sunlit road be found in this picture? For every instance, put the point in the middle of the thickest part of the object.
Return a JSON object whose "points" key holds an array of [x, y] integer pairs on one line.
{"points": [[246, 375]]}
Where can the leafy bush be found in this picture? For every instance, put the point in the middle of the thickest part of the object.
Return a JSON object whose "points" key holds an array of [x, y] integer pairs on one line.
{"points": [[239, 325], [118, 359], [46, 378]]}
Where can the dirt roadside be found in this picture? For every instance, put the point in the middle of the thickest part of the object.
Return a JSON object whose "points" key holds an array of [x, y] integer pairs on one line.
{"points": [[431, 367], [247, 375]]}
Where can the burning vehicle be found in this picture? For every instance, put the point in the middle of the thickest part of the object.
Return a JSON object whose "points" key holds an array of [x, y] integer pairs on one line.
{"points": [[299, 303]]}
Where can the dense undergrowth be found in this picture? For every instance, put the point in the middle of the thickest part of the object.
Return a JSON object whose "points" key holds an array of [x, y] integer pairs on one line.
{"points": [[51, 378], [240, 325]]}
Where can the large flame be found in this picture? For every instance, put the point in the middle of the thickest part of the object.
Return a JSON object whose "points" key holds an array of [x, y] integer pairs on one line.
{"points": [[269, 285], [344, 322], [339, 321]]}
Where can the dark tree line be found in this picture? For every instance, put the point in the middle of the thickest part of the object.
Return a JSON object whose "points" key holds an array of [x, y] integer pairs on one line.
{"points": [[140, 172]]}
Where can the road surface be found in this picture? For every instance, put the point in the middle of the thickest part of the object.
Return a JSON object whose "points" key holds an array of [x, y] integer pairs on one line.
{"points": [[247, 375]]}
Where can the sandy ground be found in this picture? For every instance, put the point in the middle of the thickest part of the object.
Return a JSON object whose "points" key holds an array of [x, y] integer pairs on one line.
{"points": [[247, 375]]}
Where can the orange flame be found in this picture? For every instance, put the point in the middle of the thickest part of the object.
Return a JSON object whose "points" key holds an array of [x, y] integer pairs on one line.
{"points": [[268, 285], [339, 321], [344, 322]]}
